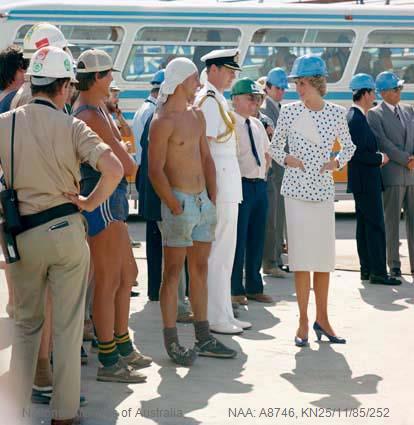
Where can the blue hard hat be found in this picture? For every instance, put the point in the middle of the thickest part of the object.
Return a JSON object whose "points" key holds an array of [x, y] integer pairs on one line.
{"points": [[278, 77], [387, 80], [158, 78], [308, 66], [362, 81]]}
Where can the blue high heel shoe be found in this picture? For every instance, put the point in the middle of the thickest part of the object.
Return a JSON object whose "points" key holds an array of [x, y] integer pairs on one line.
{"points": [[333, 339], [299, 342]]}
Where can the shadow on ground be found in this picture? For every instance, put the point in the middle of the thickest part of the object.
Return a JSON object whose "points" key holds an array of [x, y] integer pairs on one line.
{"points": [[325, 371], [205, 379]]}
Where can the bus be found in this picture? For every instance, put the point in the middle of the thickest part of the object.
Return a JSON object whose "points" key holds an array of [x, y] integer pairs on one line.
{"points": [[142, 36]]}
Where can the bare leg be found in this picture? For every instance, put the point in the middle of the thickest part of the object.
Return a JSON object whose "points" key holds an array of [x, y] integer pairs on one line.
{"points": [[173, 263], [107, 261], [197, 267], [321, 287], [129, 273], [302, 283]]}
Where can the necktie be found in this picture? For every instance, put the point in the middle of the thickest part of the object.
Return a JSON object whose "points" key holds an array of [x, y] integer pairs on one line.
{"points": [[252, 144], [397, 113]]}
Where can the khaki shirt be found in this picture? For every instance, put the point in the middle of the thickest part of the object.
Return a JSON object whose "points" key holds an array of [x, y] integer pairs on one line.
{"points": [[23, 96], [48, 149]]}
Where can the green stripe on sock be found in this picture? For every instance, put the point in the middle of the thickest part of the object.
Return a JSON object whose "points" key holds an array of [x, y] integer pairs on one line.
{"points": [[124, 344], [108, 353]]}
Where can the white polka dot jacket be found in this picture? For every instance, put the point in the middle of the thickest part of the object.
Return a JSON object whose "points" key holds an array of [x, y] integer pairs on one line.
{"points": [[310, 137]]}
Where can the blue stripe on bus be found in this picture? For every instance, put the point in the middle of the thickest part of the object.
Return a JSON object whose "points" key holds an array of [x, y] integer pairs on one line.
{"points": [[247, 15], [290, 95], [226, 22]]}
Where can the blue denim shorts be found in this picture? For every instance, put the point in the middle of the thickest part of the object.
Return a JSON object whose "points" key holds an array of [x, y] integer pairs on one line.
{"points": [[197, 223], [115, 208]]}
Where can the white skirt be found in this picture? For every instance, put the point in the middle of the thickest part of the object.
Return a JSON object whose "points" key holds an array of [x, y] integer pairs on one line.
{"points": [[311, 235]]}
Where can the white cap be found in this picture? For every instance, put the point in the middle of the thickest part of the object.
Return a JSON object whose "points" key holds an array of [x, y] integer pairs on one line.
{"points": [[94, 60], [48, 64], [225, 57], [178, 70], [42, 35]]}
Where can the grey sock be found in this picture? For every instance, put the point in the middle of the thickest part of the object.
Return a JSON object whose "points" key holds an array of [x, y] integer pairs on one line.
{"points": [[170, 336], [202, 330]]}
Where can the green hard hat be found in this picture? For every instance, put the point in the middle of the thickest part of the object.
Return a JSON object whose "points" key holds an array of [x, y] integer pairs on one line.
{"points": [[246, 86]]}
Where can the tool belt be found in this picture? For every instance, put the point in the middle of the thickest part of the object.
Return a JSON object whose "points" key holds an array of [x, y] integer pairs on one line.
{"points": [[34, 220]]}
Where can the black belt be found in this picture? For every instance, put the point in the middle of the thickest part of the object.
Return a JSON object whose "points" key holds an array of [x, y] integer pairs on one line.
{"points": [[34, 220], [247, 180]]}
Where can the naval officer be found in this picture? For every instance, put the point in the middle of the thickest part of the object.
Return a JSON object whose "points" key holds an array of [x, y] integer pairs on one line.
{"points": [[221, 66]]}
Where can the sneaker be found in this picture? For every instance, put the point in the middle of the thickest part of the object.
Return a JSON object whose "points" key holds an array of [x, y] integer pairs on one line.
{"points": [[186, 317], [83, 355], [43, 395], [212, 347], [120, 372], [137, 360], [181, 355]]}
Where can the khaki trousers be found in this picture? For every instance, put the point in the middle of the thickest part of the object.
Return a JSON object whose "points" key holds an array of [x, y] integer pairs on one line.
{"points": [[58, 259]]}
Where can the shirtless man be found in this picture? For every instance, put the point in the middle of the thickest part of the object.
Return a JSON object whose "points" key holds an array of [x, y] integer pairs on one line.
{"points": [[183, 174], [114, 264]]}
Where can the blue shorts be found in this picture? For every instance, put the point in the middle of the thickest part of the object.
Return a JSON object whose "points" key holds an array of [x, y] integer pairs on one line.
{"points": [[115, 208], [196, 223]]}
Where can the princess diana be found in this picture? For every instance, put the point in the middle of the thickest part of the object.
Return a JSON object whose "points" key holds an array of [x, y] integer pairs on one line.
{"points": [[309, 128]]}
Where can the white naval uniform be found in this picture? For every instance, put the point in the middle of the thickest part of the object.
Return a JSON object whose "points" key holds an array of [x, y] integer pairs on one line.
{"points": [[229, 195]]}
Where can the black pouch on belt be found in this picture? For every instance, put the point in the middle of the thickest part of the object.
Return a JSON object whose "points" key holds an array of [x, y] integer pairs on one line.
{"points": [[9, 203], [8, 244]]}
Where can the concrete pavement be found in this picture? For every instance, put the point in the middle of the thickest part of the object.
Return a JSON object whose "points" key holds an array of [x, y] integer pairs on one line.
{"points": [[271, 381]]}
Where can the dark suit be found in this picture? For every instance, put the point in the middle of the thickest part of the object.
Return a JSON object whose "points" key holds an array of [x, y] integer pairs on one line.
{"points": [[396, 138], [276, 218], [149, 207], [365, 182]]}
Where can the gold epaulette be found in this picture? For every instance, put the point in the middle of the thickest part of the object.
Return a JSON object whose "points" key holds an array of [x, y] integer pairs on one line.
{"points": [[227, 117]]}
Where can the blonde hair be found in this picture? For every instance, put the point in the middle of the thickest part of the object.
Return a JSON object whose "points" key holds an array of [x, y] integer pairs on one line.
{"points": [[319, 83]]}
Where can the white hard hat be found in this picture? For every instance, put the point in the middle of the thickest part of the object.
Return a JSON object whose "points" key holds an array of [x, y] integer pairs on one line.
{"points": [[48, 64], [42, 35]]}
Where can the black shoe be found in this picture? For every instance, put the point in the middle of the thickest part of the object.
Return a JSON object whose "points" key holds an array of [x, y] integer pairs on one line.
{"points": [[364, 275], [395, 272], [384, 280], [134, 294]]}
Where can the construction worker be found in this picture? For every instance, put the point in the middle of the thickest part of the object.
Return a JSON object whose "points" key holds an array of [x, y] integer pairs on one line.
{"points": [[42, 35], [39, 35], [51, 239]]}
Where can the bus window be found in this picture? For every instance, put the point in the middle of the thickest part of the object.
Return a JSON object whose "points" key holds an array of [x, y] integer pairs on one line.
{"points": [[279, 48], [389, 50], [154, 47], [84, 37]]}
